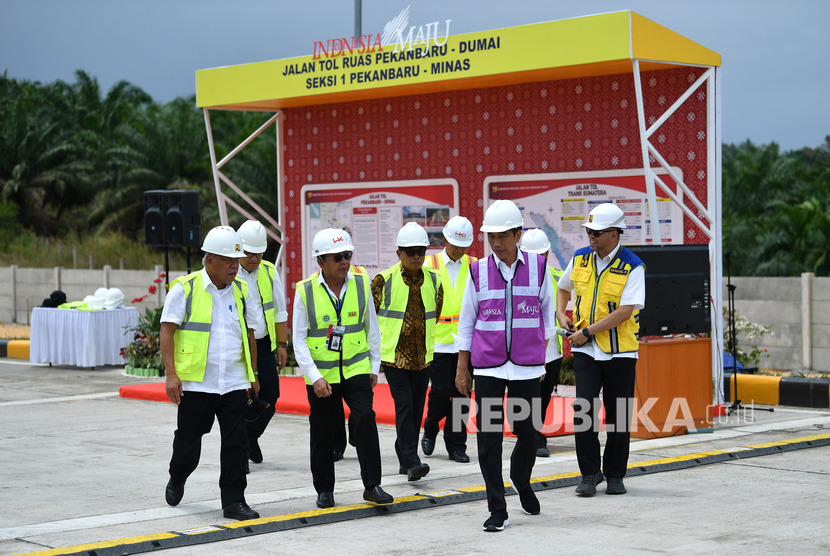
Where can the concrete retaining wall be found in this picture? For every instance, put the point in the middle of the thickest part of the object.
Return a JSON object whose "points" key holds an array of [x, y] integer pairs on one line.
{"points": [[26, 288], [798, 310]]}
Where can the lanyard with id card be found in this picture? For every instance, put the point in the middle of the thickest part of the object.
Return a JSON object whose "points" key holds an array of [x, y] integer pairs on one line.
{"points": [[334, 338]]}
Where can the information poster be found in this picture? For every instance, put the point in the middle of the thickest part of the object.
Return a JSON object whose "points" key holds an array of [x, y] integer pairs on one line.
{"points": [[373, 213], [559, 203]]}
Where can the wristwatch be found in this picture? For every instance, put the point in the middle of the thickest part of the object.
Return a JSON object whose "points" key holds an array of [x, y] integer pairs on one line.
{"points": [[282, 344], [585, 332]]}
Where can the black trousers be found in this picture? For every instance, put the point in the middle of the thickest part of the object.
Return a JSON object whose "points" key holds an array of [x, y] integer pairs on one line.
{"points": [[409, 391], [340, 439], [357, 392], [269, 386], [489, 394], [616, 378], [196, 413], [439, 406], [546, 387]]}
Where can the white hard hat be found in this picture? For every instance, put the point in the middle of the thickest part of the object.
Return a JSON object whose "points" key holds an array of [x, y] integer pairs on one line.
{"points": [[331, 240], [459, 231], [604, 216], [501, 216], [114, 299], [412, 235], [223, 240], [254, 237], [535, 240]]}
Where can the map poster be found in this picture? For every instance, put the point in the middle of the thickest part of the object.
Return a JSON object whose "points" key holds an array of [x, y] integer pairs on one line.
{"points": [[559, 203], [373, 213]]}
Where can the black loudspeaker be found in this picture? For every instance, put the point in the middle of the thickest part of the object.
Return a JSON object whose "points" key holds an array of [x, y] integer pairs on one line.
{"points": [[677, 289], [172, 218], [183, 219], [154, 208]]}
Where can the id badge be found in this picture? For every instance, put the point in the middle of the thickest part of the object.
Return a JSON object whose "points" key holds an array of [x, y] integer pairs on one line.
{"points": [[334, 341]]}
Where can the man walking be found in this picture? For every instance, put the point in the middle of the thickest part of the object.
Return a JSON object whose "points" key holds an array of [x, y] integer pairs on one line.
{"points": [[408, 300], [269, 322], [506, 317], [209, 361], [337, 345], [536, 241], [453, 267], [609, 282]]}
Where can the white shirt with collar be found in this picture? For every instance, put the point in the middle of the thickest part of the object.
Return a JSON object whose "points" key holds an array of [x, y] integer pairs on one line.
{"points": [[300, 331], [469, 314], [453, 269], [225, 365], [257, 322], [634, 293]]}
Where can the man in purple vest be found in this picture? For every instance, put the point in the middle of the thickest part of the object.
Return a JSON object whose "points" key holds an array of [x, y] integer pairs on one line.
{"points": [[507, 316]]}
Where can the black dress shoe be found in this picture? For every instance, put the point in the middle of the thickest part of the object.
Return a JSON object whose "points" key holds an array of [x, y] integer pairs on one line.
{"points": [[542, 452], [460, 456], [337, 456], [402, 470], [173, 493], [377, 495], [325, 500], [239, 511], [417, 471], [254, 452], [427, 445]]}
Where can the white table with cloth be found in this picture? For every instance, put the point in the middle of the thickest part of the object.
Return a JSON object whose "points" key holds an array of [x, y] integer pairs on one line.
{"points": [[81, 338]]}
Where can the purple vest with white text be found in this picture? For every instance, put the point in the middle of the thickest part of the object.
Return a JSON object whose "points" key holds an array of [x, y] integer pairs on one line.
{"points": [[490, 347]]}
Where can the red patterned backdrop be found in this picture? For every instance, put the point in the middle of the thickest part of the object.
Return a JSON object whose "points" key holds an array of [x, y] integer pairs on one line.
{"points": [[583, 124]]}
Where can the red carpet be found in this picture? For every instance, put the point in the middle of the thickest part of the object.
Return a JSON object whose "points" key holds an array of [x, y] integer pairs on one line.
{"points": [[293, 399]]}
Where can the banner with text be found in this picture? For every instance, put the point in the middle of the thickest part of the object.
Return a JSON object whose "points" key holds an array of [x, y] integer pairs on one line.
{"points": [[559, 203], [373, 213]]}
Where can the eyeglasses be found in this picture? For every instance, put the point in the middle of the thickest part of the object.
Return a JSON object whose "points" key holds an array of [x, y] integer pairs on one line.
{"points": [[596, 233], [253, 255], [337, 257], [412, 251]]}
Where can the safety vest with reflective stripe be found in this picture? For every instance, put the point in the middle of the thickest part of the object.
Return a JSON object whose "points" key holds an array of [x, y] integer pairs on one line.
{"points": [[354, 357], [597, 296], [393, 308], [555, 275], [190, 340], [451, 306], [265, 284]]}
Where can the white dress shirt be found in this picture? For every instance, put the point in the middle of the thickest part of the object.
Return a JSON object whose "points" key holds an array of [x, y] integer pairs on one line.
{"points": [[225, 366], [453, 269], [469, 314], [300, 331], [634, 293], [257, 321]]}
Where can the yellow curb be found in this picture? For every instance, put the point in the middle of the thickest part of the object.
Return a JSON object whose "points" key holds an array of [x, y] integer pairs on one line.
{"points": [[18, 349]]}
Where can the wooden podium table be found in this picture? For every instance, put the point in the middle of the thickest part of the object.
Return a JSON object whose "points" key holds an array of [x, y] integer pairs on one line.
{"points": [[673, 374]]}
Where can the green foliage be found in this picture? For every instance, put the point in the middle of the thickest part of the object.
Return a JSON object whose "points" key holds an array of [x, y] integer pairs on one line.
{"points": [[776, 209], [145, 349]]}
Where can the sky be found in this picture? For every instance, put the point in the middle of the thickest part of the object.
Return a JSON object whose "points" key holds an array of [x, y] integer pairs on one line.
{"points": [[775, 53]]}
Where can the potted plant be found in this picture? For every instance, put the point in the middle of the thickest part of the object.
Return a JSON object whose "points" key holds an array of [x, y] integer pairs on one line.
{"points": [[143, 355]]}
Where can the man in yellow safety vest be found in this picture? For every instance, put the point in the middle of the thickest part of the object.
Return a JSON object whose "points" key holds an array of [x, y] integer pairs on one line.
{"points": [[408, 301], [270, 324], [453, 266], [609, 283], [209, 361], [337, 345]]}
